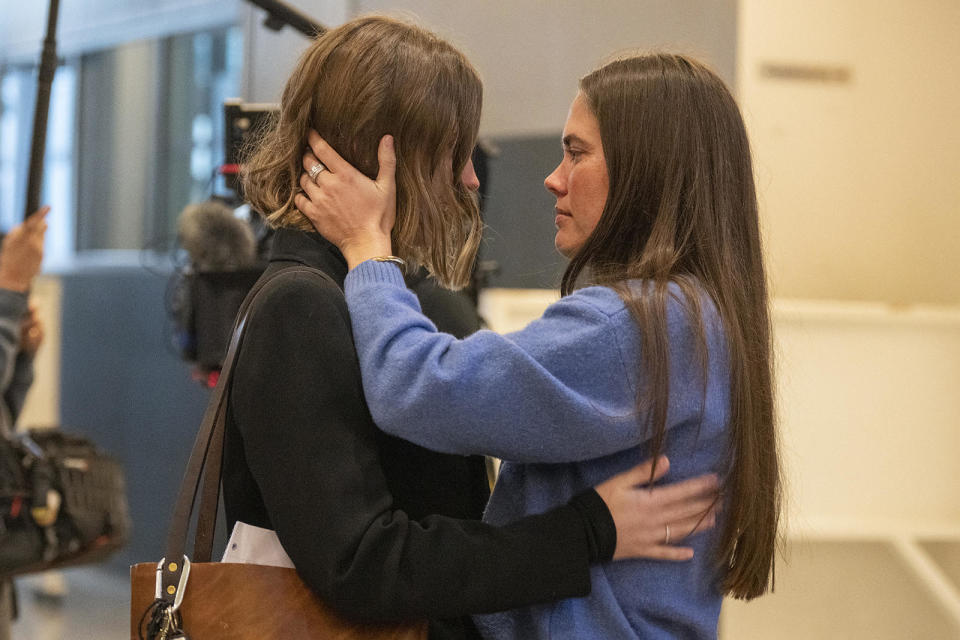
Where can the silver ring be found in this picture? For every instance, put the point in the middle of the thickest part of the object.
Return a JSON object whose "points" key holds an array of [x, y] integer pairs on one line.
{"points": [[316, 170], [666, 537]]}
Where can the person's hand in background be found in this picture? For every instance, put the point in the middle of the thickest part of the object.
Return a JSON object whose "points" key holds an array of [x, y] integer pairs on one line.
{"points": [[22, 252], [31, 331]]}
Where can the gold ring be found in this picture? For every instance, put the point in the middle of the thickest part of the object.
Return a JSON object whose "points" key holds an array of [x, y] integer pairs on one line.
{"points": [[666, 536]]}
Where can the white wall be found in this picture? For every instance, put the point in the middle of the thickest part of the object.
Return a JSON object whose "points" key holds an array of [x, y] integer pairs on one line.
{"points": [[858, 180]]}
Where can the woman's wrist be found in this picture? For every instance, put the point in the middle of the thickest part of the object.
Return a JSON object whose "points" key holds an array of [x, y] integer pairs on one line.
{"points": [[599, 527], [362, 249], [19, 285]]}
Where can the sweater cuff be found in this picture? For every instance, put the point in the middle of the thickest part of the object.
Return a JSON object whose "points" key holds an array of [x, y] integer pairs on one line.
{"points": [[372, 272], [598, 525], [13, 304]]}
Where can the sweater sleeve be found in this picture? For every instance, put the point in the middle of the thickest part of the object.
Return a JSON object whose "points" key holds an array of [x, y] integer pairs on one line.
{"points": [[297, 401], [14, 369], [557, 391], [20, 383]]}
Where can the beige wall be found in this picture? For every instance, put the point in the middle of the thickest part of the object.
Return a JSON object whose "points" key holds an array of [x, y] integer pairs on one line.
{"points": [[42, 406], [269, 56], [859, 181], [868, 417], [530, 53]]}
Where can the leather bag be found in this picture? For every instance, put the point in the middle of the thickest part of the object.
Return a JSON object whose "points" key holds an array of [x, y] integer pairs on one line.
{"points": [[220, 601]]}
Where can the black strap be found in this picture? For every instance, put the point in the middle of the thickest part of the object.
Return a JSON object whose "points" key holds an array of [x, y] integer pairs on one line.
{"points": [[207, 454]]}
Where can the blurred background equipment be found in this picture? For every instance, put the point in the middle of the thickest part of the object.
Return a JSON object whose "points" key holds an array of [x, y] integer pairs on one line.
{"points": [[223, 265], [281, 14], [243, 121], [227, 248], [38, 146], [226, 245], [215, 239], [62, 500]]}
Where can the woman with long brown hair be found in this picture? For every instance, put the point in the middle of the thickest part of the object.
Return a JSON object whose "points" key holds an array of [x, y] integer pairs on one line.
{"points": [[660, 342], [378, 527]]}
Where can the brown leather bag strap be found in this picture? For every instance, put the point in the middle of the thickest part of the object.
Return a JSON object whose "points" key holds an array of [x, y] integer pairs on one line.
{"points": [[207, 455], [210, 489]]}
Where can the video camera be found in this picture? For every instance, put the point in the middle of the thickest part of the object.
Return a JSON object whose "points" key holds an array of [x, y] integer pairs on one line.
{"points": [[226, 245]]}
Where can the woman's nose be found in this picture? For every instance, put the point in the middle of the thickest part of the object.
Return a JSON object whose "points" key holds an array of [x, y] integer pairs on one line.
{"points": [[553, 183], [469, 177]]}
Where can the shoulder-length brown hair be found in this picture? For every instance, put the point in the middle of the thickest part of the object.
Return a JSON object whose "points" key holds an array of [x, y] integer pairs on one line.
{"points": [[367, 78], [682, 208]]}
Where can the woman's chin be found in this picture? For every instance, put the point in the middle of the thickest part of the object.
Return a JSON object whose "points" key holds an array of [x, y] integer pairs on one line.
{"points": [[564, 247]]}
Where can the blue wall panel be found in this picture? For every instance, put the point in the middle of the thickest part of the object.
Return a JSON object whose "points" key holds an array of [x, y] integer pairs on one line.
{"points": [[122, 386], [519, 214]]}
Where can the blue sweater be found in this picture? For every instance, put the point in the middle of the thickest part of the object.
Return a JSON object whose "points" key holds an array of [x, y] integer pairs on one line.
{"points": [[557, 402]]}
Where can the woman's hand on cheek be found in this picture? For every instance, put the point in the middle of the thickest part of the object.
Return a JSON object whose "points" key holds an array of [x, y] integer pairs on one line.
{"points": [[347, 208]]}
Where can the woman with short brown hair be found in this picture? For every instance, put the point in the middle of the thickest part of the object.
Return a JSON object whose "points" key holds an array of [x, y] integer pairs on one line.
{"points": [[371, 77]]}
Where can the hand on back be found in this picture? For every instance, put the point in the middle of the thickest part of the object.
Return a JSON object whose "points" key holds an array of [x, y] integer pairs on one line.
{"points": [[651, 519]]}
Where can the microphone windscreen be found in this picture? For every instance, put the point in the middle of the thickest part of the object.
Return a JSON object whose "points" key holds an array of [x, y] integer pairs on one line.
{"points": [[214, 238]]}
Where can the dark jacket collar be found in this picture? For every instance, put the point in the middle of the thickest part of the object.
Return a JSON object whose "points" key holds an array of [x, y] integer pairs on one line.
{"points": [[311, 249]]}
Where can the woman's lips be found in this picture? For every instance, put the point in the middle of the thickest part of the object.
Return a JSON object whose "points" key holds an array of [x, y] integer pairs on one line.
{"points": [[561, 214]]}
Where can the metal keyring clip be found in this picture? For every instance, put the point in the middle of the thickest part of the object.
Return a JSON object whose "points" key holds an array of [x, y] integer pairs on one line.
{"points": [[184, 575]]}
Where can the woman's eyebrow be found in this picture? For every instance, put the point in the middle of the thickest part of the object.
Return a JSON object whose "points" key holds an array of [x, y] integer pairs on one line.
{"points": [[571, 139]]}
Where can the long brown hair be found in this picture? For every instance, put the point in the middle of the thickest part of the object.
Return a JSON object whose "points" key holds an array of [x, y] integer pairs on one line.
{"points": [[682, 208], [354, 84]]}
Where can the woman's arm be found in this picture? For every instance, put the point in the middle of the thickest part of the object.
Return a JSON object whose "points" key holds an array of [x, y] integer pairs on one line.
{"points": [[31, 337], [561, 390], [20, 257], [309, 442], [554, 392], [13, 306]]}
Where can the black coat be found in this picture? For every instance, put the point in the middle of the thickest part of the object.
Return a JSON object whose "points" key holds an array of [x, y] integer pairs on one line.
{"points": [[352, 505]]}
